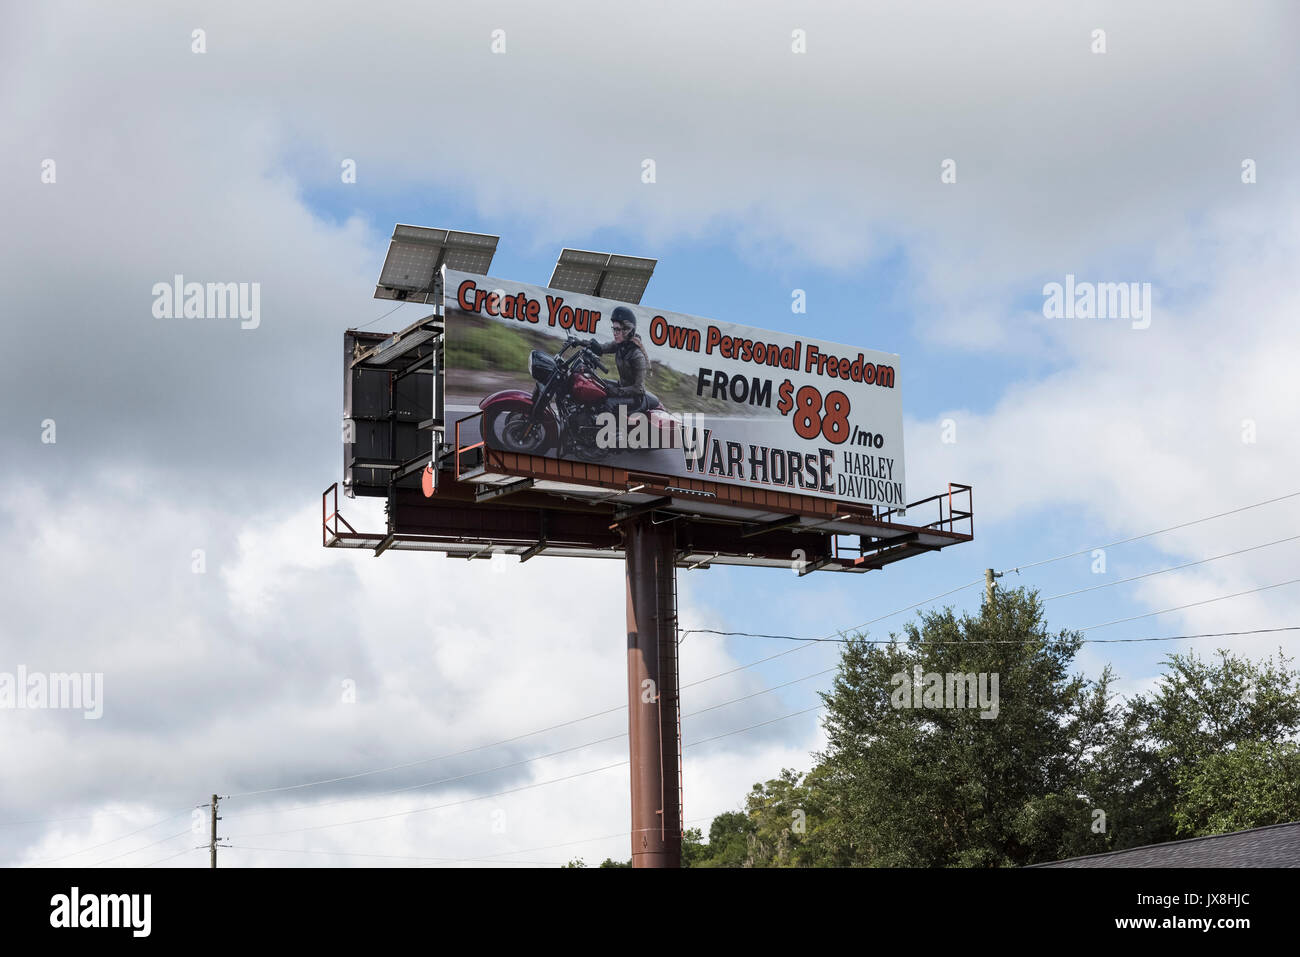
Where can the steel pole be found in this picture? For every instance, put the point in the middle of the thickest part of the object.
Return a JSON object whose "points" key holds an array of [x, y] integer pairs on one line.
{"points": [[652, 712]]}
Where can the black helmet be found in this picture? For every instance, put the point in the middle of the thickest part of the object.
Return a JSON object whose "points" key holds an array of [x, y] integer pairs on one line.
{"points": [[623, 316]]}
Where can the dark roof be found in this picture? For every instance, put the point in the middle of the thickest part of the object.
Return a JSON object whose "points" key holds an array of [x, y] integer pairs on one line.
{"points": [[1275, 846]]}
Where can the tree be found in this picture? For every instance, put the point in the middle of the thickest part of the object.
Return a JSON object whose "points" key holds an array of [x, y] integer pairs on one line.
{"points": [[996, 781], [729, 837], [1215, 736], [694, 850], [1251, 785]]}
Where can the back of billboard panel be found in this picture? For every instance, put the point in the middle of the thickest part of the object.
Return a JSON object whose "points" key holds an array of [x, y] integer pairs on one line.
{"points": [[596, 380]]}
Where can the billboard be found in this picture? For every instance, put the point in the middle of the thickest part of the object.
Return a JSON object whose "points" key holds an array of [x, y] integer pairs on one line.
{"points": [[583, 378]]}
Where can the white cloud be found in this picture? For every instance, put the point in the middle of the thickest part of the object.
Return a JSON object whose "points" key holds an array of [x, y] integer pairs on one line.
{"points": [[232, 680]]}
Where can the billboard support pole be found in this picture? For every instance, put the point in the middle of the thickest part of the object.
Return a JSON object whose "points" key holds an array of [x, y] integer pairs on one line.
{"points": [[652, 686]]}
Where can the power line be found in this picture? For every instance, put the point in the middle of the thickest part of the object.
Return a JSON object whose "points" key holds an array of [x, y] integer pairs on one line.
{"points": [[586, 840], [1159, 531], [815, 674], [425, 784], [384, 316], [1220, 634], [144, 848], [147, 827], [761, 724], [526, 787], [1091, 548], [1027, 641], [519, 763], [392, 857], [490, 858], [590, 840], [437, 757], [493, 744], [438, 807], [1193, 604], [749, 634], [1172, 568], [1018, 568], [65, 820], [926, 601], [177, 854], [752, 664]]}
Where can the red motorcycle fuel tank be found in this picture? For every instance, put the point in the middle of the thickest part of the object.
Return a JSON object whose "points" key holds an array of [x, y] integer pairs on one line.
{"points": [[587, 389]]}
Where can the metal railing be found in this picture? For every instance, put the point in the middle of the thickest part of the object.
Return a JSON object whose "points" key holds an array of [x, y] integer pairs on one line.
{"points": [[328, 531], [465, 449], [948, 517]]}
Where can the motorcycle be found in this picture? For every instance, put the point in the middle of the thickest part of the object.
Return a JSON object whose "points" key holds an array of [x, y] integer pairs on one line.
{"points": [[562, 412]]}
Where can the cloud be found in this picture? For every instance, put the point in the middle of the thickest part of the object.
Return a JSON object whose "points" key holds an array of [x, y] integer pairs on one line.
{"points": [[232, 679]]}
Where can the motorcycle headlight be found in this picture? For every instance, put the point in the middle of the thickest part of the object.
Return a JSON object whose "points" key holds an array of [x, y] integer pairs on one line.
{"points": [[540, 365]]}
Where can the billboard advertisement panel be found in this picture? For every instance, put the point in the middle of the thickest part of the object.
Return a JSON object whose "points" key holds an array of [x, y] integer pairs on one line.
{"points": [[578, 377]]}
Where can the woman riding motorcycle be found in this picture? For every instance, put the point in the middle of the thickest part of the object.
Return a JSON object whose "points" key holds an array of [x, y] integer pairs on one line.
{"points": [[630, 356]]}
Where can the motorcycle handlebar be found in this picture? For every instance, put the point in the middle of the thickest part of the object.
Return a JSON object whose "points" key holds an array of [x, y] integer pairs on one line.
{"points": [[591, 358], [586, 354]]}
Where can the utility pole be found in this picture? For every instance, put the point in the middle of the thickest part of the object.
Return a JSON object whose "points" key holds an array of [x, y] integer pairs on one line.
{"points": [[212, 843], [652, 687], [989, 575]]}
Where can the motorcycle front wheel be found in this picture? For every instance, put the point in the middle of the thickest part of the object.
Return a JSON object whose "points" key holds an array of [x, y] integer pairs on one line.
{"points": [[513, 433]]}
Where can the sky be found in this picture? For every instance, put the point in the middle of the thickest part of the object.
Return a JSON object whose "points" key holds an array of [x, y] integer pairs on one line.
{"points": [[168, 536]]}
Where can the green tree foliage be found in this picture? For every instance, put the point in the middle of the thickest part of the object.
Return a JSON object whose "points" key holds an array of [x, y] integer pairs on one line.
{"points": [[1214, 737], [729, 837], [1251, 785], [783, 825], [946, 786], [694, 850]]}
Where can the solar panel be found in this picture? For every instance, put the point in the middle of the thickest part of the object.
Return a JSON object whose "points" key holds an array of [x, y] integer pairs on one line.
{"points": [[470, 252], [417, 253], [608, 275]]}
